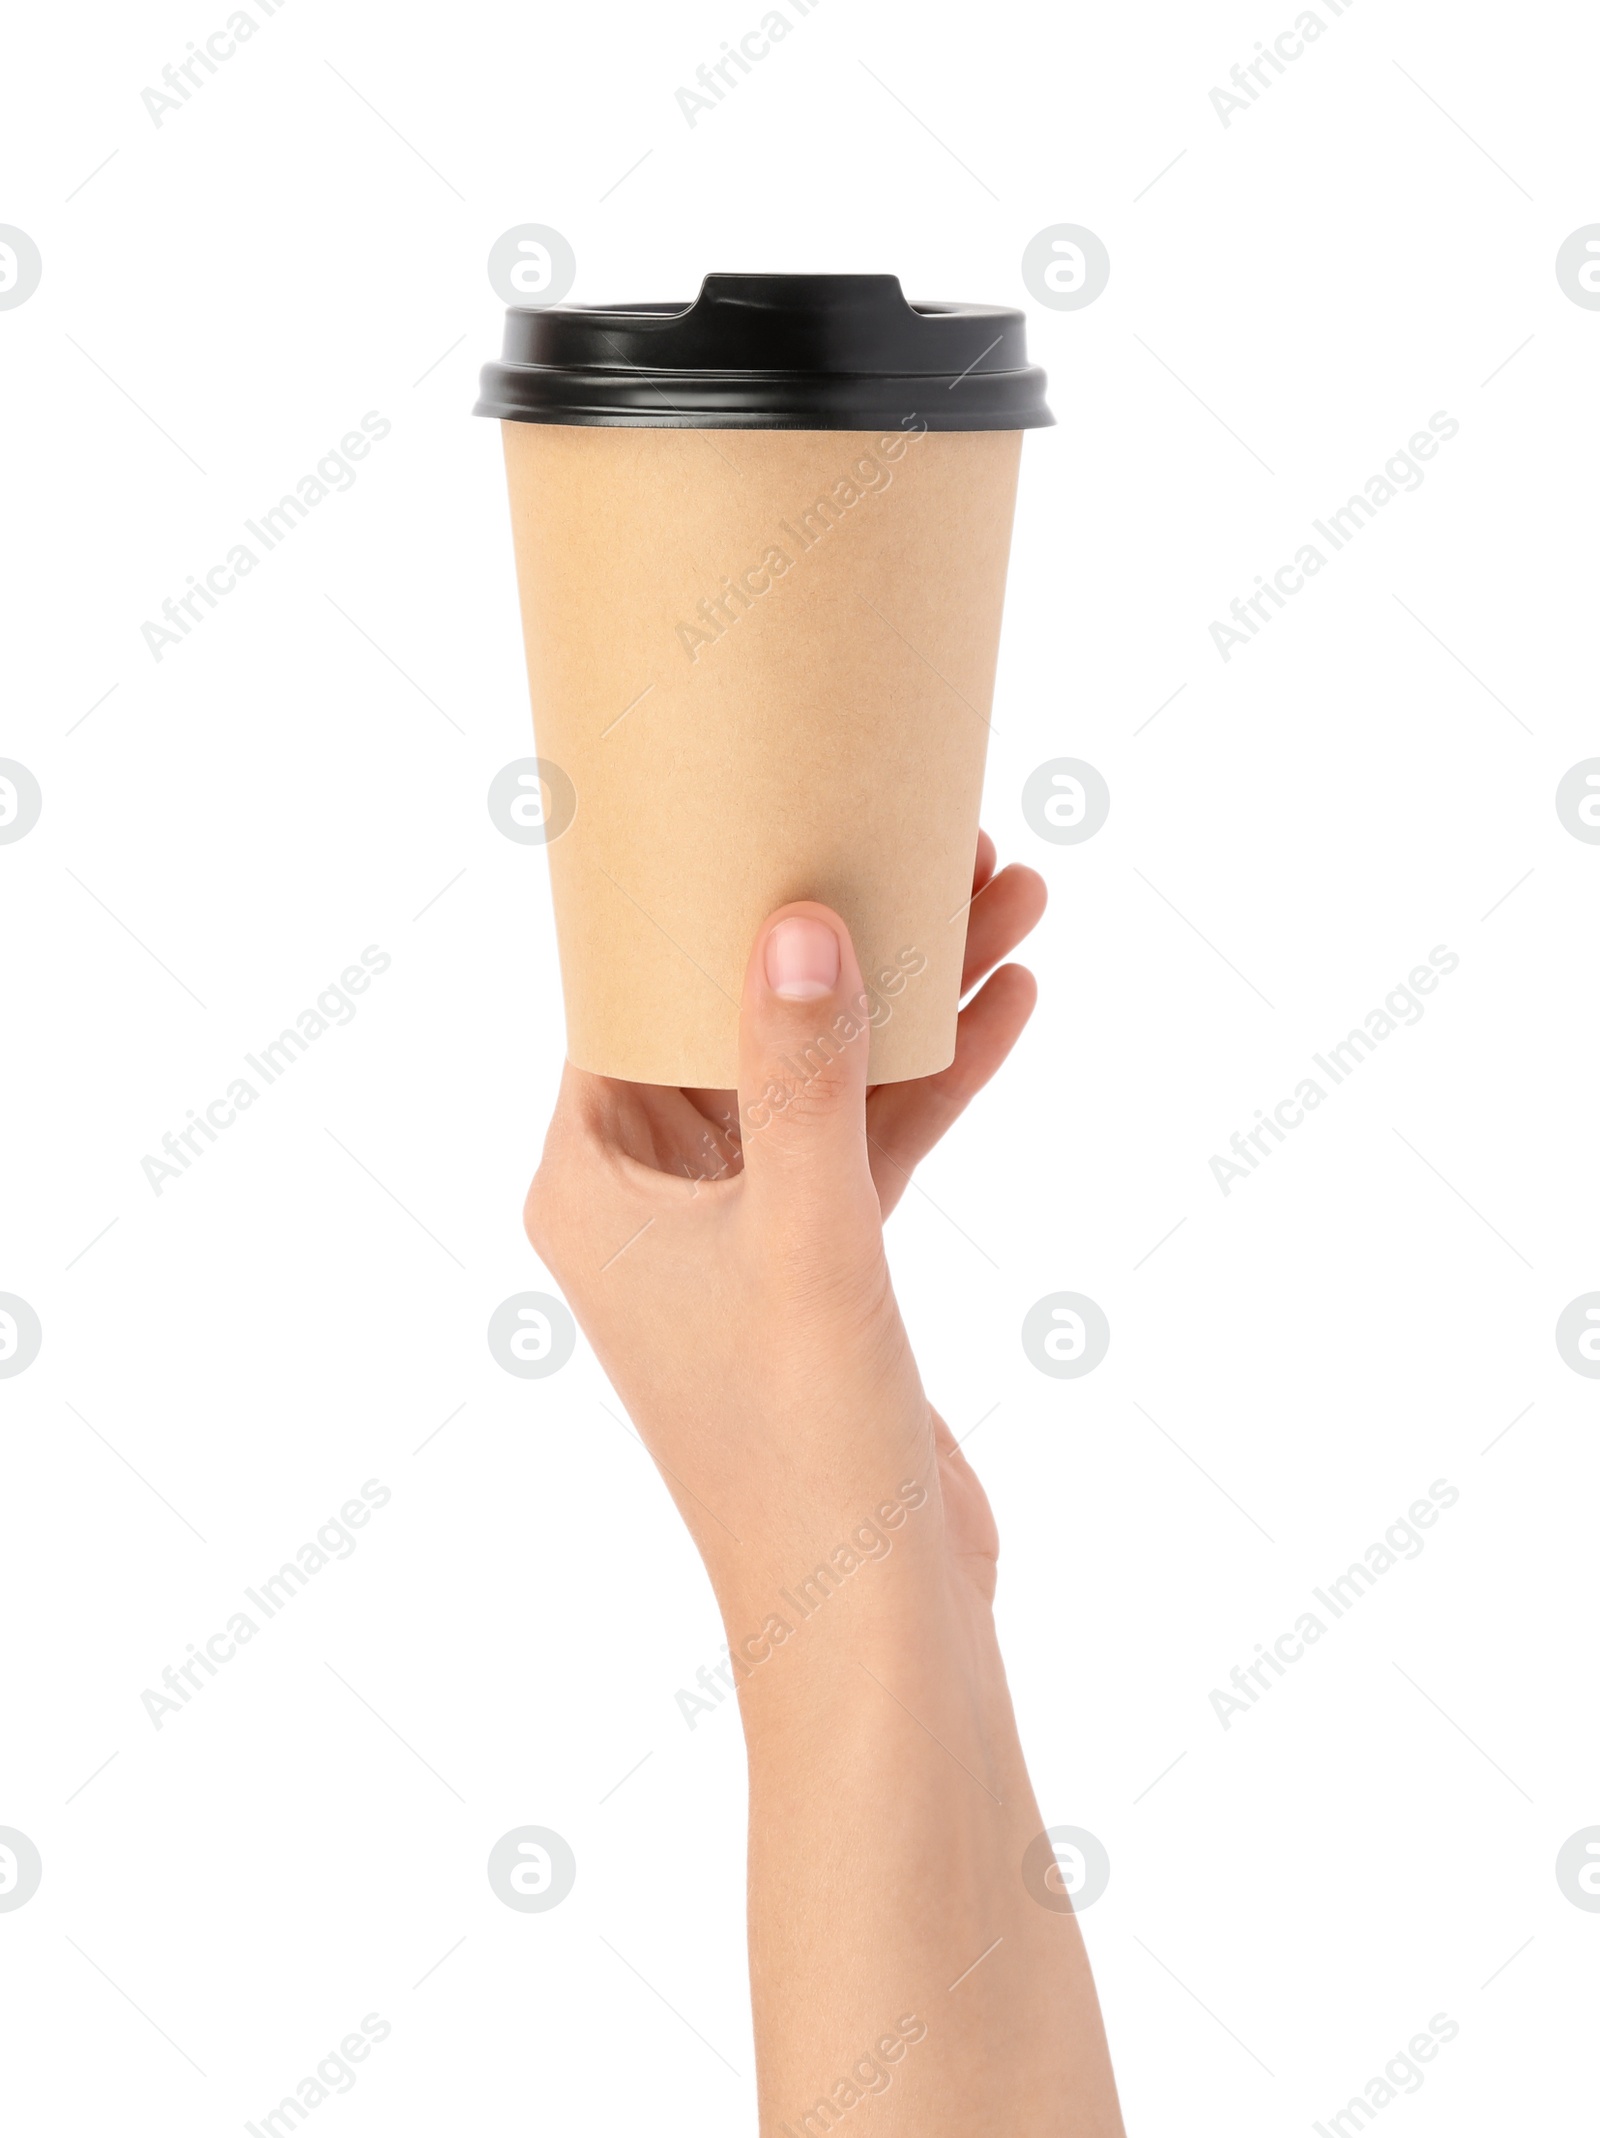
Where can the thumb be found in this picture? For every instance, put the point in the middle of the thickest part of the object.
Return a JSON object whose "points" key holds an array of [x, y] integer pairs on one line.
{"points": [[803, 1038]]}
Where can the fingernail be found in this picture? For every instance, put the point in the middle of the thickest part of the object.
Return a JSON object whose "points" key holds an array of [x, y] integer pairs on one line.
{"points": [[802, 960]]}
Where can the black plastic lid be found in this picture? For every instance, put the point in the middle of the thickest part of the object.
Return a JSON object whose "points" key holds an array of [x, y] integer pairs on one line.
{"points": [[770, 352]]}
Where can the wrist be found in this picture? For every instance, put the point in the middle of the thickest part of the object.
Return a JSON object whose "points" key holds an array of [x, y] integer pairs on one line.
{"points": [[803, 1537], [902, 1639]]}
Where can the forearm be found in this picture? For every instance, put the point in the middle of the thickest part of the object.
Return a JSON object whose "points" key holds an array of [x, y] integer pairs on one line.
{"points": [[903, 1978]]}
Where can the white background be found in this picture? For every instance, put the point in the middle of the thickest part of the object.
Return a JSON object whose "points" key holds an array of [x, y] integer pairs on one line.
{"points": [[305, 774]]}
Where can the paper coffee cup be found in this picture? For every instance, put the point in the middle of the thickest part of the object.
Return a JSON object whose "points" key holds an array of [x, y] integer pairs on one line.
{"points": [[761, 546]]}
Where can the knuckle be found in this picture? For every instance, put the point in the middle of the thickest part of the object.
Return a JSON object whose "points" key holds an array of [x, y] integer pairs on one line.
{"points": [[817, 1099]]}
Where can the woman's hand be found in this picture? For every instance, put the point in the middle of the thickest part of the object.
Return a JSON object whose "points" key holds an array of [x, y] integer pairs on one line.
{"points": [[726, 1260], [724, 1254]]}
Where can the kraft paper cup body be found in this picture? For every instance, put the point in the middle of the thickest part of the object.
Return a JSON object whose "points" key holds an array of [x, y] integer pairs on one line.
{"points": [[764, 659]]}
